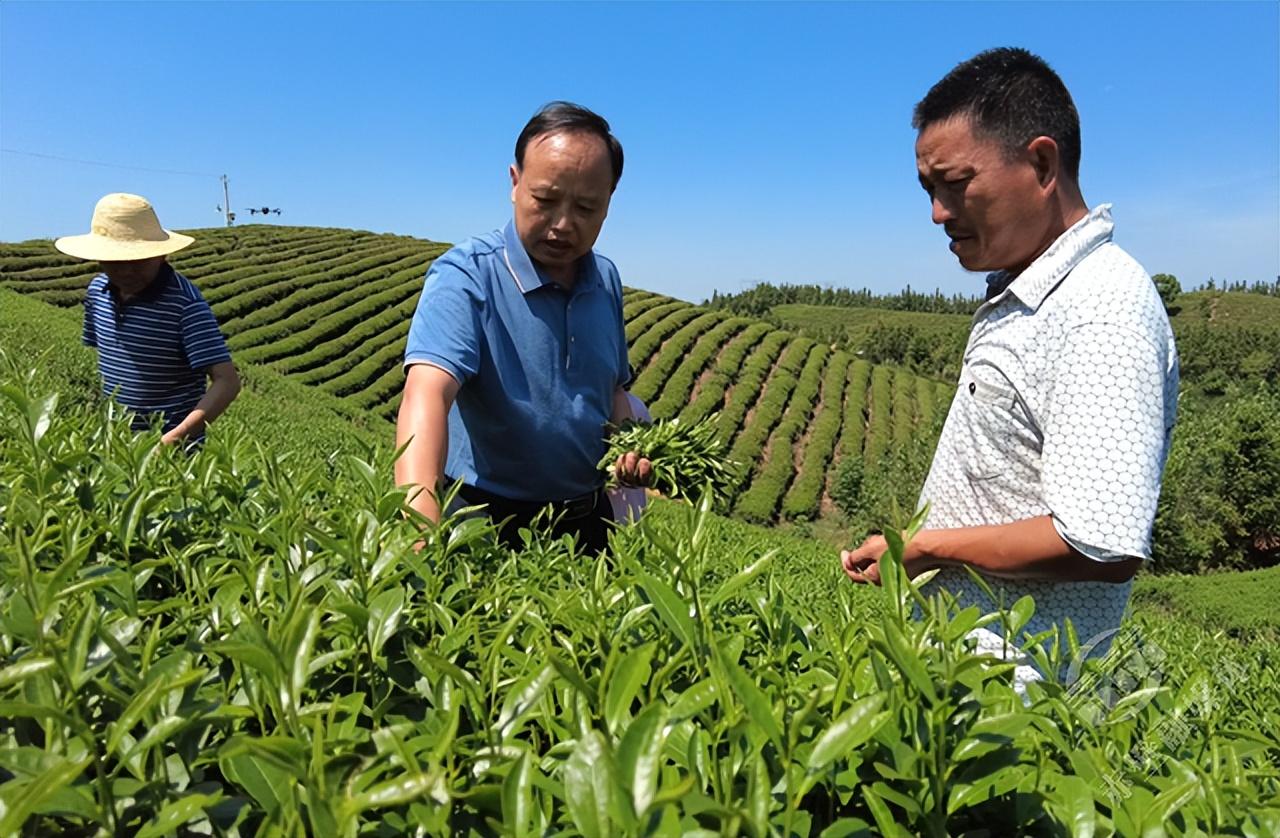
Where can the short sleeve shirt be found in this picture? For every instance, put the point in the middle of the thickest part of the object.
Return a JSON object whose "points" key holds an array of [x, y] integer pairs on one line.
{"points": [[154, 350], [1065, 407], [538, 366]]}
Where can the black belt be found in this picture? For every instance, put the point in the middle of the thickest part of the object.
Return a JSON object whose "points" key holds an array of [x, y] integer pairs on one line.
{"points": [[501, 507]]}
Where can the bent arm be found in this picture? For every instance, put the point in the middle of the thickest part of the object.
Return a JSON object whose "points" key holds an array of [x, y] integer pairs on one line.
{"points": [[224, 386], [423, 425], [1027, 549]]}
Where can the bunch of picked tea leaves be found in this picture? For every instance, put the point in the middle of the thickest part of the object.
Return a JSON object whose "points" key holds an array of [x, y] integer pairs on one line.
{"points": [[688, 458]]}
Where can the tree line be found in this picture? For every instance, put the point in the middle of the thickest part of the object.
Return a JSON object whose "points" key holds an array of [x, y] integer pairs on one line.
{"points": [[760, 299]]}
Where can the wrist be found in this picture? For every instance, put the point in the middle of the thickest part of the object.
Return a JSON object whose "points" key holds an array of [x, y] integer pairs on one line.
{"points": [[922, 552]]}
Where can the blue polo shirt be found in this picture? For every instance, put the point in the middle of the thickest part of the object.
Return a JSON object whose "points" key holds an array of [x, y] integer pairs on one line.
{"points": [[155, 349], [537, 365]]}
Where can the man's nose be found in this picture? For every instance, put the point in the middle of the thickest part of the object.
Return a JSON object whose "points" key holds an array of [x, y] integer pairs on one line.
{"points": [[941, 213], [562, 220]]}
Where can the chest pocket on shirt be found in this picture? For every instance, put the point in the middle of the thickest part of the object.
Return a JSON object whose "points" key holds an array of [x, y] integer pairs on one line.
{"points": [[991, 427]]}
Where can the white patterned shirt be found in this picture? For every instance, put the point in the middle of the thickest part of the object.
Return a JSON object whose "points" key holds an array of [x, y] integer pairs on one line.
{"points": [[1065, 408]]}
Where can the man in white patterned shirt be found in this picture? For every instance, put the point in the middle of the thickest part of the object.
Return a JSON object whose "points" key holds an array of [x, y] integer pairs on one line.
{"points": [[1046, 477]]}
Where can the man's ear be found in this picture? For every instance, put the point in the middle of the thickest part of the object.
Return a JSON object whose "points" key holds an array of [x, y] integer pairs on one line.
{"points": [[515, 180], [1046, 160]]}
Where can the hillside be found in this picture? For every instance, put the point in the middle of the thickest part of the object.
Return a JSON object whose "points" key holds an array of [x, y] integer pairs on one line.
{"points": [[857, 323], [1225, 310], [1221, 310], [1223, 336], [330, 309]]}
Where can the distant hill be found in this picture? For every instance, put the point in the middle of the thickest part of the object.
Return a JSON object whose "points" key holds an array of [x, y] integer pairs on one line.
{"points": [[857, 323], [1222, 310], [1226, 310], [330, 309], [1222, 335]]}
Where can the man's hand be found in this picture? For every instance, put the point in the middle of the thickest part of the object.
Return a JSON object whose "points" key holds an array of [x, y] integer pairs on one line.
{"points": [[177, 435], [633, 470], [224, 386], [863, 564]]}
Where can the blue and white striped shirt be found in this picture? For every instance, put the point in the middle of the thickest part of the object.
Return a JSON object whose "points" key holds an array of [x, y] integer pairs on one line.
{"points": [[155, 349]]}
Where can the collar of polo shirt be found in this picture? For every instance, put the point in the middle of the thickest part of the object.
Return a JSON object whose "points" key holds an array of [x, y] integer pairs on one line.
{"points": [[1034, 284], [528, 278]]}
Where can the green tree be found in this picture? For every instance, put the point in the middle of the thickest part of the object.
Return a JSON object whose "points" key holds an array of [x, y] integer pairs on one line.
{"points": [[1220, 505], [1169, 288]]}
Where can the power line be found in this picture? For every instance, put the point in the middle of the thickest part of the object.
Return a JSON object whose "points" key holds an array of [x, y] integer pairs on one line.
{"points": [[106, 165]]}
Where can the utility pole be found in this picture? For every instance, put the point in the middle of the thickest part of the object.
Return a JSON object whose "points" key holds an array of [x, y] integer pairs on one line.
{"points": [[226, 201]]}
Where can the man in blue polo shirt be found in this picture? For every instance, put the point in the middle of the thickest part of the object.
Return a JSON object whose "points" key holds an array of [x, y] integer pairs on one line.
{"points": [[156, 337], [517, 357]]}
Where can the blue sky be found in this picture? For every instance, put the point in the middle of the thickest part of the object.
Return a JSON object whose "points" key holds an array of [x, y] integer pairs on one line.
{"points": [[764, 141]]}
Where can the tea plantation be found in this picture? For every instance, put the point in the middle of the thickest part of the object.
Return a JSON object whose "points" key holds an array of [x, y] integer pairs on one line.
{"points": [[331, 308], [246, 641]]}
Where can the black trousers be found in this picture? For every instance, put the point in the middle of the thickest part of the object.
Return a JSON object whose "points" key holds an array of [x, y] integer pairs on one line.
{"points": [[586, 518]]}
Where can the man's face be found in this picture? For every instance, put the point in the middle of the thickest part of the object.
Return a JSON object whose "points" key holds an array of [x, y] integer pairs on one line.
{"points": [[561, 198], [133, 275], [992, 206]]}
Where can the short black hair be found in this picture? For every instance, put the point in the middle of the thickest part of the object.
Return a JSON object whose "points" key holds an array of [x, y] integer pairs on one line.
{"points": [[1012, 96], [555, 117]]}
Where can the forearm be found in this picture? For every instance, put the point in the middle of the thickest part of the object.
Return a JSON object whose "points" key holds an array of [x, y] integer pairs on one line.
{"points": [[424, 428], [1027, 549], [222, 391]]}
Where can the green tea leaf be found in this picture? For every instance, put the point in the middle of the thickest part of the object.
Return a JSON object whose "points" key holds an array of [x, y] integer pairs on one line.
{"points": [[521, 698], [24, 669], [517, 799], [384, 617], [398, 792], [673, 610], [854, 727], [589, 779], [268, 784], [625, 682], [757, 704], [175, 813], [906, 661], [695, 699], [19, 798], [1073, 806], [734, 583], [639, 753]]}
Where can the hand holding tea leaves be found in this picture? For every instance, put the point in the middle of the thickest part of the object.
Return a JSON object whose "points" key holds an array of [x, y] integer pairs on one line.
{"points": [[677, 459], [632, 469]]}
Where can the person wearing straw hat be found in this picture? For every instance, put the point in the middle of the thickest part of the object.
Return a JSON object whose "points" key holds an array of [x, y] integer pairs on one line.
{"points": [[157, 339]]}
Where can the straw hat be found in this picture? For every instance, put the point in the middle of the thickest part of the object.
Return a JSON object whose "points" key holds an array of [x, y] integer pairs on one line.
{"points": [[124, 228]]}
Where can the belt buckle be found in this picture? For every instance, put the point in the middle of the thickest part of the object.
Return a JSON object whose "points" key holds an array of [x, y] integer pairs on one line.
{"points": [[579, 507]]}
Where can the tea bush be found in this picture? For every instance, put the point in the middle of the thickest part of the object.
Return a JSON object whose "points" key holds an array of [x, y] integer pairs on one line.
{"points": [[675, 390], [709, 398], [803, 498], [242, 641]]}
